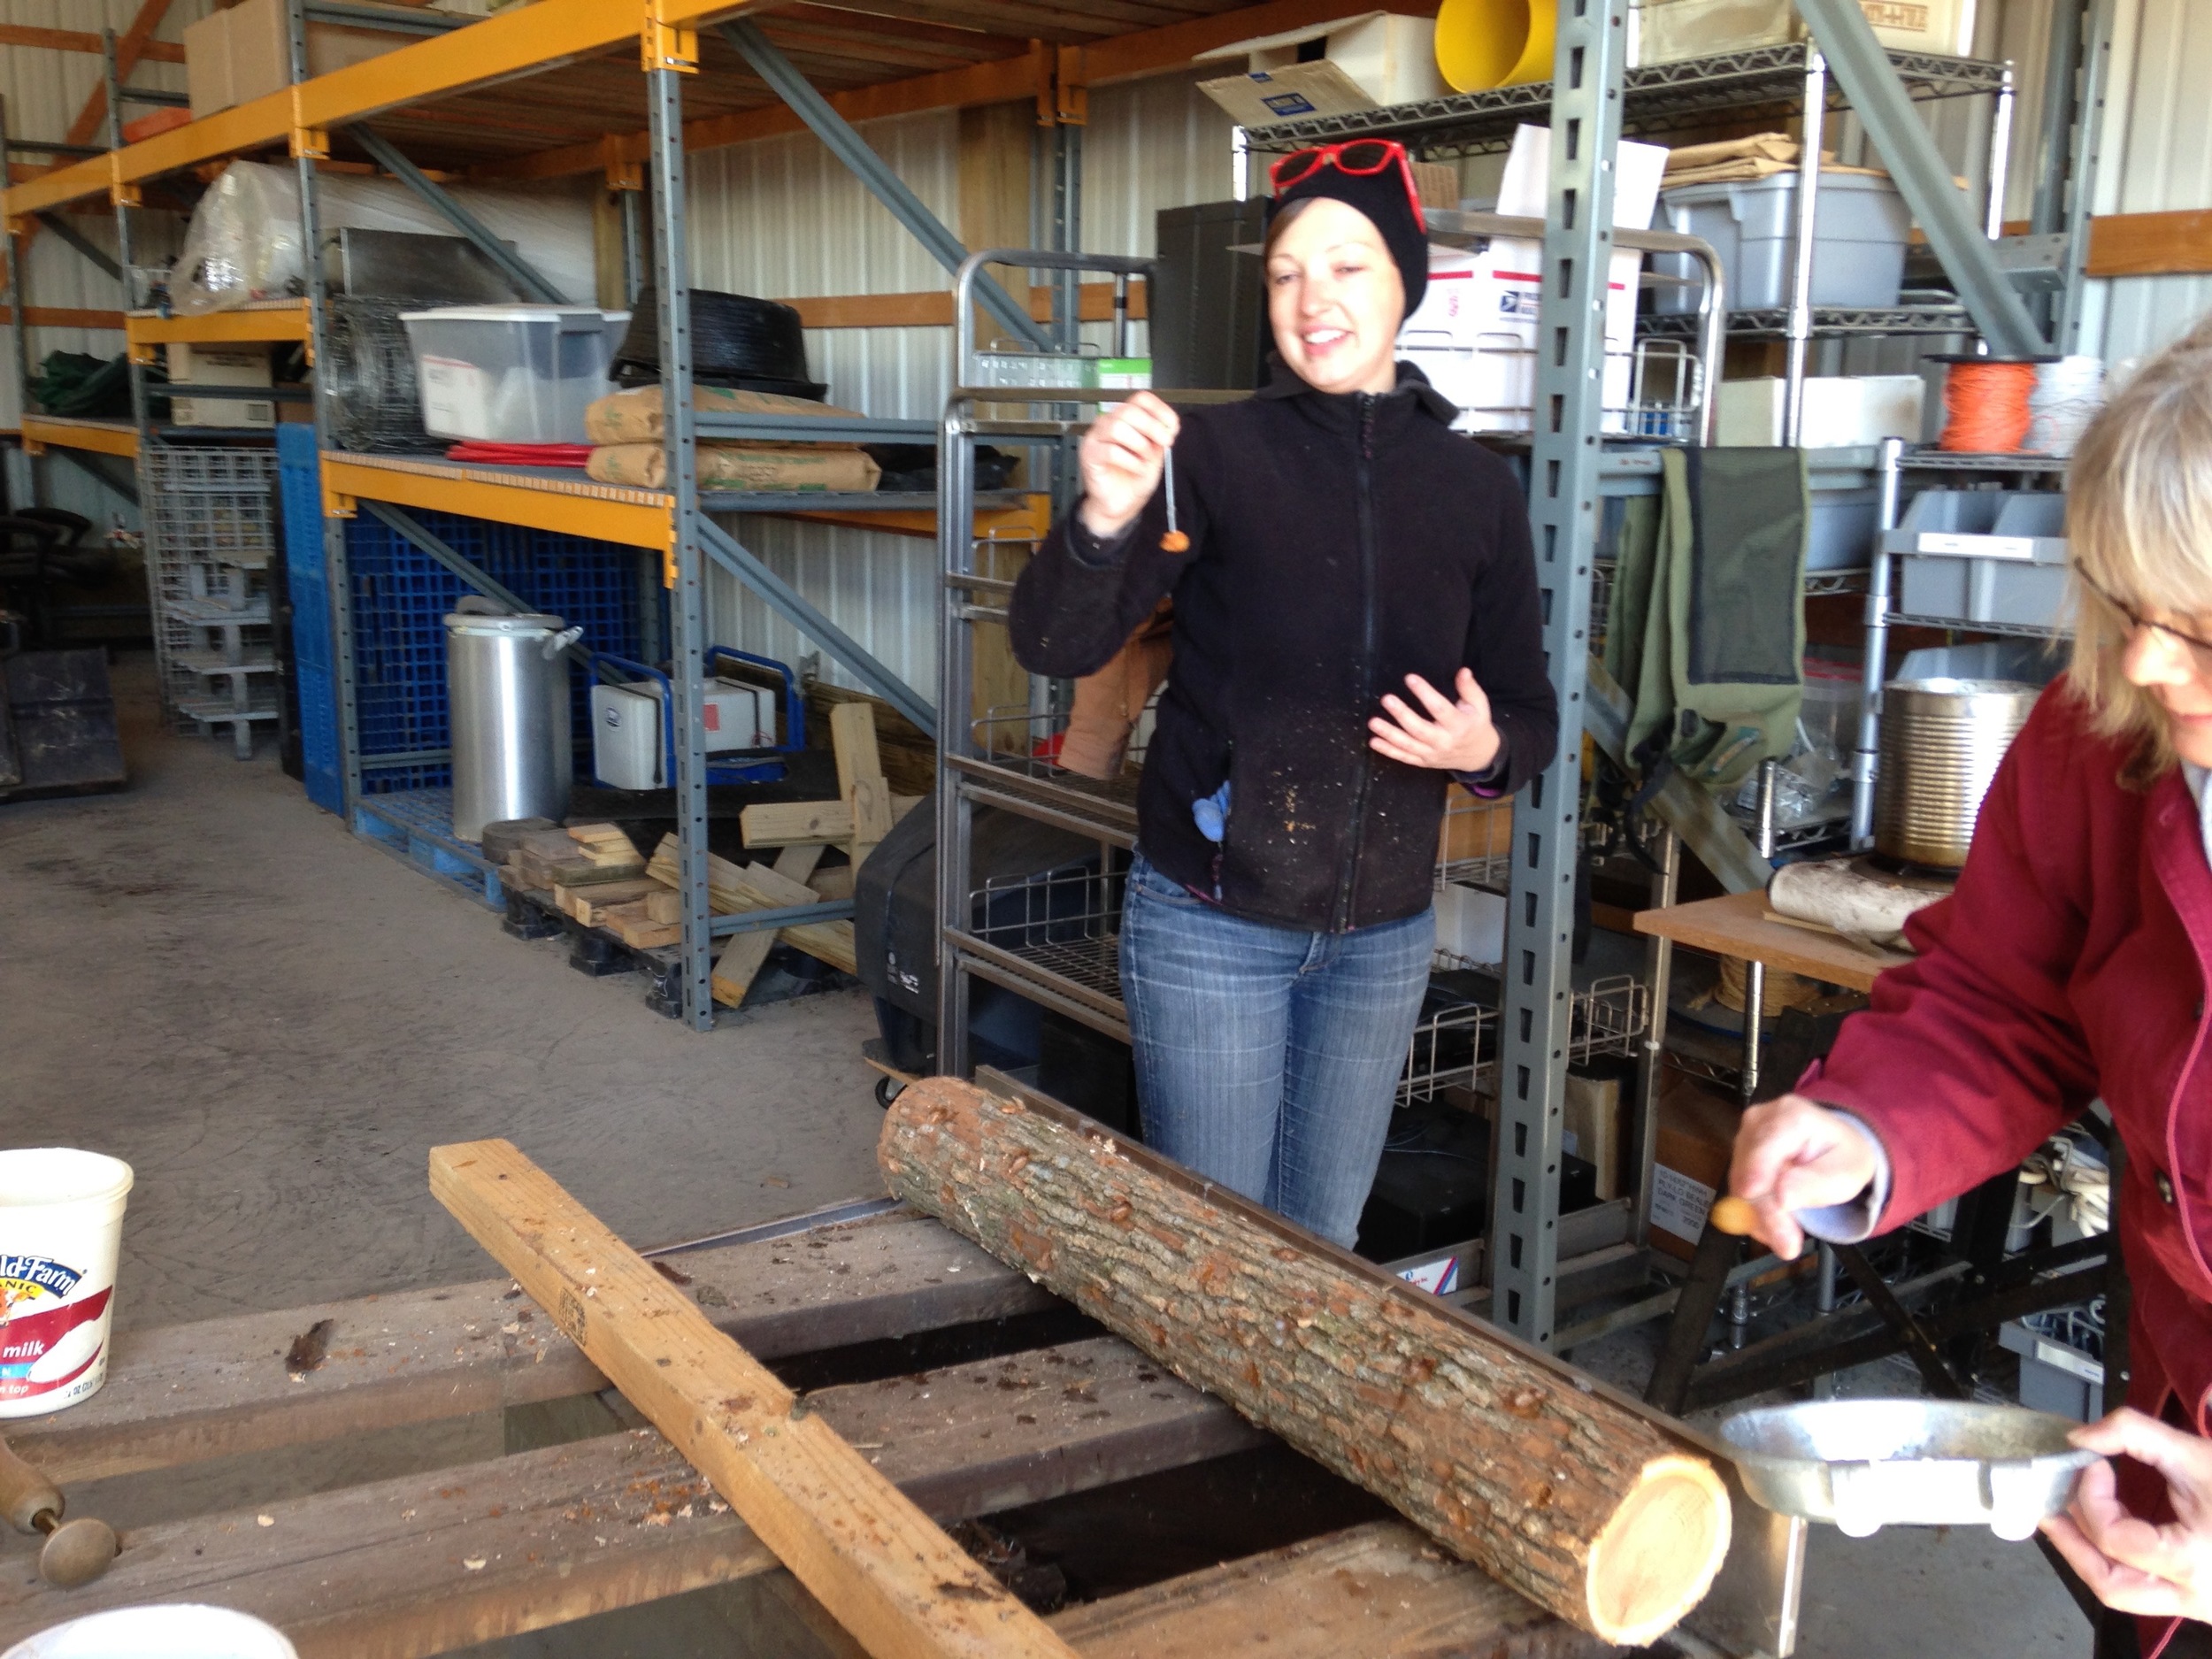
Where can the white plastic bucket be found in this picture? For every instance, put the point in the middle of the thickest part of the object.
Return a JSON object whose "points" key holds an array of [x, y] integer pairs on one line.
{"points": [[186, 1631], [61, 1226]]}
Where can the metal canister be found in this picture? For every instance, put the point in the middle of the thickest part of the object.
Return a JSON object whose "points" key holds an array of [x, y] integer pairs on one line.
{"points": [[508, 690], [1941, 742]]}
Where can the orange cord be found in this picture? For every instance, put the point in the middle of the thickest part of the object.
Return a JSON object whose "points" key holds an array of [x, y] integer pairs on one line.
{"points": [[1986, 406]]}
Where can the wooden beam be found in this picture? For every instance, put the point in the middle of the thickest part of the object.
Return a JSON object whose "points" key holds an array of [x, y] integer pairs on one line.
{"points": [[2151, 244], [130, 46], [1152, 51], [1582, 1502], [886, 1571], [79, 41], [795, 823], [746, 954], [995, 80], [66, 316]]}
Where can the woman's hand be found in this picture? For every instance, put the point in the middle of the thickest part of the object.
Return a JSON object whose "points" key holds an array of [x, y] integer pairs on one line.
{"points": [[2134, 1565], [1122, 457], [1795, 1153], [1455, 737]]}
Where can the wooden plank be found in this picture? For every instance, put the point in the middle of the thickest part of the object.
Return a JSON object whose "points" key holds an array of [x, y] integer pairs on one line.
{"points": [[1381, 1591], [80, 40], [1736, 926], [836, 882], [882, 1568], [790, 823], [587, 902], [745, 955], [383, 1569], [635, 927], [1584, 1502], [731, 887], [65, 316], [860, 781], [180, 1394], [2151, 244], [931, 308]]}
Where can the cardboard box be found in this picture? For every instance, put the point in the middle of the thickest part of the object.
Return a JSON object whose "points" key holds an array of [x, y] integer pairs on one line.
{"points": [[1473, 828], [209, 365], [1667, 31], [1696, 1139], [235, 57], [1369, 61]]}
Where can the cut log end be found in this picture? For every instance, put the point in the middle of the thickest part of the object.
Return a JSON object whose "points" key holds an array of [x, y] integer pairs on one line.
{"points": [[1658, 1556]]}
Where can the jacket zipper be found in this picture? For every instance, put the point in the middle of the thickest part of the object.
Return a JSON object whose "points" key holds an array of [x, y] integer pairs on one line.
{"points": [[1346, 896]]}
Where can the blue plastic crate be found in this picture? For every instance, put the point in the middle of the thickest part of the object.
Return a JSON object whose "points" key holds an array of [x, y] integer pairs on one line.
{"points": [[400, 598], [299, 483]]}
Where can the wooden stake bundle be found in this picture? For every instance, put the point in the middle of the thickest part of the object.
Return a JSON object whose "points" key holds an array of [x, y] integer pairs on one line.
{"points": [[1580, 1504]]}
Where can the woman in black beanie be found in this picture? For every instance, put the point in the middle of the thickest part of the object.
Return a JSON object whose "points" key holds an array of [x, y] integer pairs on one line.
{"points": [[1356, 622]]}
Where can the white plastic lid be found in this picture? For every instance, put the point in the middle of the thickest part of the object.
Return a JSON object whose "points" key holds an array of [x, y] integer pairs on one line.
{"points": [[178, 1631], [60, 1175]]}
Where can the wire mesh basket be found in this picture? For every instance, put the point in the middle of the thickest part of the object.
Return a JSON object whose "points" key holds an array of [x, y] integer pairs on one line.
{"points": [[210, 532]]}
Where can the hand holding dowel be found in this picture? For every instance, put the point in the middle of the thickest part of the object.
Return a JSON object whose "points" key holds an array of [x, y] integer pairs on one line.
{"points": [[1123, 458]]}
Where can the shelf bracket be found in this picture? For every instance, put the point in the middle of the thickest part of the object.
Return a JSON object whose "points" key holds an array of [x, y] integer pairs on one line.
{"points": [[667, 45], [872, 171], [1908, 149]]}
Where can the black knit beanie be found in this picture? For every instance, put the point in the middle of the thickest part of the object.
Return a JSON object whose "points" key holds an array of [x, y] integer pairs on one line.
{"points": [[1382, 197]]}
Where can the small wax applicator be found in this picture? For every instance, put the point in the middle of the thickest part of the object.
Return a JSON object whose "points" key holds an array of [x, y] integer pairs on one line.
{"points": [[1174, 541]]}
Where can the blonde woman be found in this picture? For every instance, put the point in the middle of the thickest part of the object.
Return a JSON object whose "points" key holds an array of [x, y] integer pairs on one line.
{"points": [[2070, 965]]}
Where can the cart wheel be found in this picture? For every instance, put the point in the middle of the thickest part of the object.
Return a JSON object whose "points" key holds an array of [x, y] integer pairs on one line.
{"points": [[888, 1089]]}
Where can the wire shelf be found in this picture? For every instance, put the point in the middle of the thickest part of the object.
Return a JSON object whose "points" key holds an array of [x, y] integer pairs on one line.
{"points": [[1447, 1050], [1765, 80], [1831, 321], [211, 529]]}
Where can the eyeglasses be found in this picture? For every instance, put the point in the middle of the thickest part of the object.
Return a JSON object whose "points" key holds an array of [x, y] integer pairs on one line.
{"points": [[2199, 648], [1361, 157]]}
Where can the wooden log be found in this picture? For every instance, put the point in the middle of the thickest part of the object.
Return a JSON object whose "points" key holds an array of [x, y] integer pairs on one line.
{"points": [[1582, 1504], [884, 1569]]}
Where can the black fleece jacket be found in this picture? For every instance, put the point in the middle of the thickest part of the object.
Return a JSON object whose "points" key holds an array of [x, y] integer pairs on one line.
{"points": [[1339, 542]]}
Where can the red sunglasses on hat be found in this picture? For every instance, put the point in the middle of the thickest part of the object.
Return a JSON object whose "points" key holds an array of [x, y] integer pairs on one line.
{"points": [[1359, 157]]}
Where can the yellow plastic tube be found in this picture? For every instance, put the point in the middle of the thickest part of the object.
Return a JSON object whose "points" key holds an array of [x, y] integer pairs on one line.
{"points": [[1484, 44]]}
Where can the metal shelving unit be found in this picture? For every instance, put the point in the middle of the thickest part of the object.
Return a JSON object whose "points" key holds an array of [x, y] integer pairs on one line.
{"points": [[447, 57]]}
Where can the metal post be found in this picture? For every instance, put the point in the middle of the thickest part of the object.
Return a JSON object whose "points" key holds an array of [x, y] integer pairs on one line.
{"points": [[2075, 326], [511, 265], [1067, 234], [955, 728], [632, 247], [1824, 1302], [134, 370], [1807, 206], [20, 327], [335, 565], [1866, 762], [687, 611], [2001, 154], [1923, 177], [1754, 972], [2054, 144], [1659, 971], [1589, 65]]}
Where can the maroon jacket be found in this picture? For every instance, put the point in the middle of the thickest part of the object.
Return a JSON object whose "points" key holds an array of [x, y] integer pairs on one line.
{"points": [[2070, 963]]}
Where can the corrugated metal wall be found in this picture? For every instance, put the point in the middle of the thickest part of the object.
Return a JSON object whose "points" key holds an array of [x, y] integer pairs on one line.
{"points": [[45, 90], [780, 217]]}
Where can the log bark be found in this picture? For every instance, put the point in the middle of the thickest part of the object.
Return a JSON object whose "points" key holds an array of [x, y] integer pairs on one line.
{"points": [[1511, 1462]]}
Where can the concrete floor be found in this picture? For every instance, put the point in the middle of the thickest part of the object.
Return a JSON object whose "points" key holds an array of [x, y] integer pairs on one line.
{"points": [[274, 1022]]}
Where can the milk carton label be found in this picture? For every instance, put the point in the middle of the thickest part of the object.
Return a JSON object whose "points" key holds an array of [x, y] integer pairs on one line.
{"points": [[47, 1341]]}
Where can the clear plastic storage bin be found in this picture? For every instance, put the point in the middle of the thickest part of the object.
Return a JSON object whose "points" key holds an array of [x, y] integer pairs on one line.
{"points": [[512, 373], [1861, 227]]}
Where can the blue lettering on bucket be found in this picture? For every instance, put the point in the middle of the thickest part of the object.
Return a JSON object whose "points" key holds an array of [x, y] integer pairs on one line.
{"points": [[39, 1273]]}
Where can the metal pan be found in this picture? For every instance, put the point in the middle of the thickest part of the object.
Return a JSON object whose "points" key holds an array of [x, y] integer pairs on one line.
{"points": [[1865, 1464]]}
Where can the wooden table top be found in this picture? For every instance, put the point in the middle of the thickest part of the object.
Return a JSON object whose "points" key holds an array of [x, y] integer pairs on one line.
{"points": [[1737, 926]]}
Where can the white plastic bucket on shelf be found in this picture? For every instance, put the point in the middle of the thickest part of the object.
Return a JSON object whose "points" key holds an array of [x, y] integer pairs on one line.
{"points": [[182, 1631], [61, 1227]]}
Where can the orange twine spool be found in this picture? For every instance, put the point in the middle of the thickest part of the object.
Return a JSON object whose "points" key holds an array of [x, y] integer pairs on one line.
{"points": [[1987, 405]]}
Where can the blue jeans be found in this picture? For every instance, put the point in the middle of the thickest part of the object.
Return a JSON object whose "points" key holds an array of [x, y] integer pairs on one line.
{"points": [[1267, 1058]]}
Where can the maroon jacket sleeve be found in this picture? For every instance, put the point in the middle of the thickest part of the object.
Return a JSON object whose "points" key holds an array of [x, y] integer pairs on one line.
{"points": [[1971, 1056]]}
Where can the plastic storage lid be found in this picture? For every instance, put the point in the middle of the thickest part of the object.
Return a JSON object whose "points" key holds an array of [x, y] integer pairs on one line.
{"points": [[515, 314]]}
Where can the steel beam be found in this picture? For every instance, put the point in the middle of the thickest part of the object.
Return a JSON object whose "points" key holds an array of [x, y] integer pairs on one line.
{"points": [[786, 601], [512, 264], [872, 169], [1591, 60], [19, 325], [2053, 146], [2077, 319], [687, 601], [409, 529], [75, 238], [1862, 65]]}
